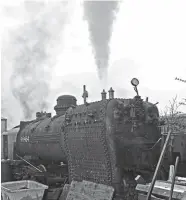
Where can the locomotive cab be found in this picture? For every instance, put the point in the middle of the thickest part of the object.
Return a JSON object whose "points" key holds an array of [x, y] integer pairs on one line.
{"points": [[135, 131]]}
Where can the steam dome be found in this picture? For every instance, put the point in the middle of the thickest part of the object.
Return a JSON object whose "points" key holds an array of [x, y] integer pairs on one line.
{"points": [[63, 103]]}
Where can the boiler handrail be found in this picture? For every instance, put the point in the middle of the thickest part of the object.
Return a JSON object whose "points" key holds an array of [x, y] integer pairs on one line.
{"points": [[29, 163]]}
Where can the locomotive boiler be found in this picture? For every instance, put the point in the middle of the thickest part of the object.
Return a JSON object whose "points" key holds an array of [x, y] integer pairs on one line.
{"points": [[43, 138], [108, 141]]}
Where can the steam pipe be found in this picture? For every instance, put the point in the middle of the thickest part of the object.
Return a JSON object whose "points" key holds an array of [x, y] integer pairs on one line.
{"points": [[136, 90]]}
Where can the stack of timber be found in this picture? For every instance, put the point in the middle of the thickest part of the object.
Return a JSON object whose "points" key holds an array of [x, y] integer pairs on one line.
{"points": [[162, 190]]}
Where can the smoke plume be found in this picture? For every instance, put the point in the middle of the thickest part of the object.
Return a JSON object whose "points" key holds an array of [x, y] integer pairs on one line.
{"points": [[33, 51], [100, 16]]}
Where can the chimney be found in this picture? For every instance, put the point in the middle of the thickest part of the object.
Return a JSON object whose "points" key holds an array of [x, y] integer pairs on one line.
{"points": [[104, 95], [111, 93]]}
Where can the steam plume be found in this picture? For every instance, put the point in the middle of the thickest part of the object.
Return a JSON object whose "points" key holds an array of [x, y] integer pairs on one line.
{"points": [[34, 53], [100, 16]]}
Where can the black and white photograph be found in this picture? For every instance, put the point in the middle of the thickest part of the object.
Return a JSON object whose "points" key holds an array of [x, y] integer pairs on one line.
{"points": [[93, 100]]}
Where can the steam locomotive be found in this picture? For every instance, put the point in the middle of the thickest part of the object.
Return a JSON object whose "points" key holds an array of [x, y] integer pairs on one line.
{"points": [[105, 141], [109, 141]]}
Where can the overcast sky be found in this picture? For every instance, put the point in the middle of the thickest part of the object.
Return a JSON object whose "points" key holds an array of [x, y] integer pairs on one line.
{"points": [[148, 42]]}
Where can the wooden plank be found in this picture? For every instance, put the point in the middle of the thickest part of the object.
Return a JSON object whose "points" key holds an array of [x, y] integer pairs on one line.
{"points": [[77, 196], [181, 178], [184, 196], [90, 190], [167, 186], [76, 186], [98, 190], [65, 191], [144, 197]]}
